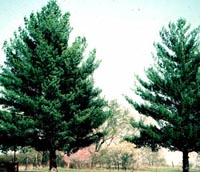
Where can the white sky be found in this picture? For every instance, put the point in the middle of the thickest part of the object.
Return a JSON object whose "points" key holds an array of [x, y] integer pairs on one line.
{"points": [[122, 31]]}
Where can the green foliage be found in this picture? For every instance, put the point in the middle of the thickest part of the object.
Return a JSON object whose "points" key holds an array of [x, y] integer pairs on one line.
{"points": [[126, 160], [171, 93], [29, 156], [48, 96], [45, 158], [6, 158]]}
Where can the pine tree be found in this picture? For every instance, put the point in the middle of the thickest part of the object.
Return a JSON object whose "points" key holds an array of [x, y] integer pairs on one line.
{"points": [[48, 96], [171, 93]]}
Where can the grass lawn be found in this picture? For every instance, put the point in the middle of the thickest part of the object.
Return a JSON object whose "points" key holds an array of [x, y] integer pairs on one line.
{"points": [[106, 170]]}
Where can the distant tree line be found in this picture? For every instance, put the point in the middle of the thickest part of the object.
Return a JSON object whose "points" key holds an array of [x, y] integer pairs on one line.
{"points": [[117, 157]]}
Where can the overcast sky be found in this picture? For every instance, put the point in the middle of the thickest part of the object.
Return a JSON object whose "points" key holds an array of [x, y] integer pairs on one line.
{"points": [[122, 31]]}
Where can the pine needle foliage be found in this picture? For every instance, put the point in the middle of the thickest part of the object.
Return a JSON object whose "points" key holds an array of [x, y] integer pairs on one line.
{"points": [[171, 93], [48, 97]]}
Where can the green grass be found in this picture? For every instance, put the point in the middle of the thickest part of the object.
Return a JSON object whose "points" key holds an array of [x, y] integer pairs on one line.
{"points": [[106, 170], [144, 170]]}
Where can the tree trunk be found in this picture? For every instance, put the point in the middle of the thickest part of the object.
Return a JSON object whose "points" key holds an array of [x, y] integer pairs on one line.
{"points": [[185, 161], [52, 163]]}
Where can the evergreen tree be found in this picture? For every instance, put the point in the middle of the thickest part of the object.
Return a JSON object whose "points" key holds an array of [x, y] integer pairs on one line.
{"points": [[171, 93], [48, 96]]}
